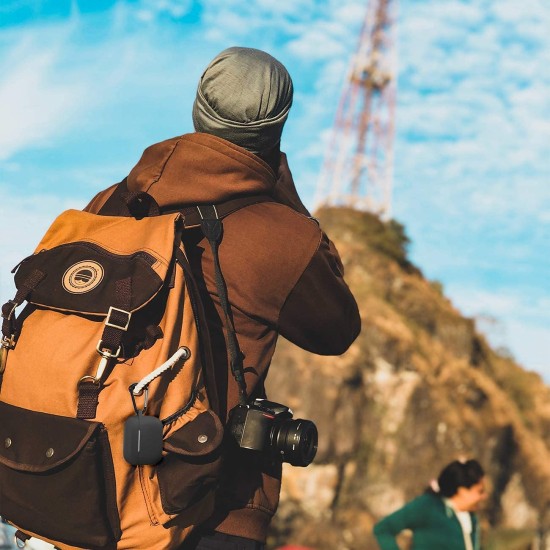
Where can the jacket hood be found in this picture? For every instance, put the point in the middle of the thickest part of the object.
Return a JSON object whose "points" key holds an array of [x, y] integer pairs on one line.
{"points": [[198, 169]]}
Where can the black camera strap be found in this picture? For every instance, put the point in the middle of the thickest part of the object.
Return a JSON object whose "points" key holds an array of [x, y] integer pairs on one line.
{"points": [[212, 229]]}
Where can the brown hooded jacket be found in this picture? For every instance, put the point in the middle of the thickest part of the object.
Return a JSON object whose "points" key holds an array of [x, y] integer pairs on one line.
{"points": [[283, 276]]}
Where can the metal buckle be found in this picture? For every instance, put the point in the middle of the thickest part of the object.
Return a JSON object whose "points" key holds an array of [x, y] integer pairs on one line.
{"points": [[215, 212], [5, 345], [108, 322], [8, 343], [3, 359], [107, 353], [14, 307]]}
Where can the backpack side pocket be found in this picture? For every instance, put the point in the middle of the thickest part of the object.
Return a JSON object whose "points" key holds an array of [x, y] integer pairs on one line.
{"points": [[191, 468]]}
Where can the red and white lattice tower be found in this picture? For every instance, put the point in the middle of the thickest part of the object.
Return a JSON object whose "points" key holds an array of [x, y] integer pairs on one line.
{"points": [[358, 165]]}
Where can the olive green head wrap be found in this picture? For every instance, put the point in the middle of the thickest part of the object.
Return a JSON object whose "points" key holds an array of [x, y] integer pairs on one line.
{"points": [[244, 96]]}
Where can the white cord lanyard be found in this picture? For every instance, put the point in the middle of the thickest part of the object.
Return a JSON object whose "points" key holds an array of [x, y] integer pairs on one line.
{"points": [[182, 353]]}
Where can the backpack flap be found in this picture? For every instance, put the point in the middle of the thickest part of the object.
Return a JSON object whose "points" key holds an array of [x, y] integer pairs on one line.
{"points": [[84, 257], [192, 467], [104, 268], [33, 441]]}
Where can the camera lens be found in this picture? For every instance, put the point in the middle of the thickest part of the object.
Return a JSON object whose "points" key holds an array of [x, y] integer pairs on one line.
{"points": [[296, 440]]}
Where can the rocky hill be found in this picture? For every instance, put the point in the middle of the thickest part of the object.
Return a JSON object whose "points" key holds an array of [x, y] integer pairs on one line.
{"points": [[419, 388]]}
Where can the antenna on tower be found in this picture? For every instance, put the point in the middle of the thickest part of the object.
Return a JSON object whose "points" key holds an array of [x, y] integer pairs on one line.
{"points": [[358, 165]]}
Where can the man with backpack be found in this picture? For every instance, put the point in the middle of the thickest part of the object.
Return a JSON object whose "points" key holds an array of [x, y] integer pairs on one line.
{"points": [[283, 275], [132, 401]]}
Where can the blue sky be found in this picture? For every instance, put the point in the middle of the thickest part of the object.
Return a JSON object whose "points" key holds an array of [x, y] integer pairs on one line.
{"points": [[86, 85]]}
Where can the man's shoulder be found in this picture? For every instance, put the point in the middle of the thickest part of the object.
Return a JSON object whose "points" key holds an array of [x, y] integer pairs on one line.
{"points": [[276, 214], [279, 226]]}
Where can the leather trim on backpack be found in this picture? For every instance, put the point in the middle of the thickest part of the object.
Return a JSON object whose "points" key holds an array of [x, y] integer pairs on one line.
{"points": [[76, 278], [63, 466]]}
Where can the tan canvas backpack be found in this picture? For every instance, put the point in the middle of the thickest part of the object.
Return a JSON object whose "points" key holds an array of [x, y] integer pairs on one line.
{"points": [[113, 333]]}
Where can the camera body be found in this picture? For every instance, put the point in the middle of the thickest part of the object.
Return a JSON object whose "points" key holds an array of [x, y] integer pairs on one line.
{"points": [[267, 426]]}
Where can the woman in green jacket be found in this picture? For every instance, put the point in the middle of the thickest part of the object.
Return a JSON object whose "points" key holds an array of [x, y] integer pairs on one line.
{"points": [[442, 519]]}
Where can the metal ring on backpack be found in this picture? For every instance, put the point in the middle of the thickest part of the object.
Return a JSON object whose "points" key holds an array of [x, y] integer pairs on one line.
{"points": [[18, 542]]}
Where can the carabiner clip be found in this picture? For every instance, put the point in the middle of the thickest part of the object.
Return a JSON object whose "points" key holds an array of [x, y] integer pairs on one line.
{"points": [[133, 396]]}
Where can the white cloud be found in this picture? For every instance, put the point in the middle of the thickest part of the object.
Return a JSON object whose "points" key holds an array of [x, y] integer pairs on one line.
{"points": [[25, 220], [174, 8], [150, 11], [476, 301], [316, 44], [490, 94], [310, 30], [473, 117], [530, 343], [50, 84], [292, 8], [230, 22], [34, 107], [511, 321]]}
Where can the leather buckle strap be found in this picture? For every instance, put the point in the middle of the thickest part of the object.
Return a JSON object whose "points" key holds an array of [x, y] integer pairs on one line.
{"points": [[109, 348], [9, 323], [8, 309], [88, 398], [212, 229]]}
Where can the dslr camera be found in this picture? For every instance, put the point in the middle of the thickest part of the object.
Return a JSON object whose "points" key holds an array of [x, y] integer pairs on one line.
{"points": [[268, 427]]}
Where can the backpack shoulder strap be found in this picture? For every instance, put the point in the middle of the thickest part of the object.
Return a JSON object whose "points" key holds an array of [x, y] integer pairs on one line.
{"points": [[123, 202], [211, 227], [207, 217], [223, 209], [203, 332]]}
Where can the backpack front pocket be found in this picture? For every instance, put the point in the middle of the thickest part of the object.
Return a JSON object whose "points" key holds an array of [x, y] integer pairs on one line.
{"points": [[57, 478]]}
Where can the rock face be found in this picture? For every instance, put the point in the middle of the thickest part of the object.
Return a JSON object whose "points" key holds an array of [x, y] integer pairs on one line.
{"points": [[419, 388]]}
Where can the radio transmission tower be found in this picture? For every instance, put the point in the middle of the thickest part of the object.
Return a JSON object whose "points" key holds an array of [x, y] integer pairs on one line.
{"points": [[358, 164]]}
